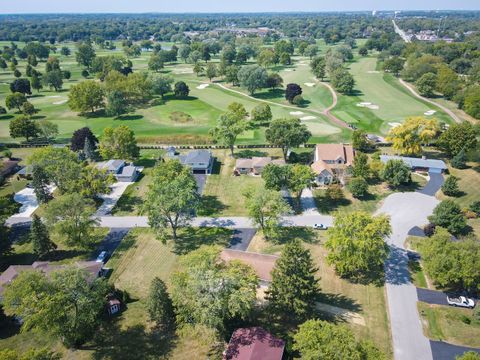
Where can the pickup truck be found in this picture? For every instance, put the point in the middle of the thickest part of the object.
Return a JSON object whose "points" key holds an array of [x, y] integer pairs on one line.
{"points": [[461, 301]]}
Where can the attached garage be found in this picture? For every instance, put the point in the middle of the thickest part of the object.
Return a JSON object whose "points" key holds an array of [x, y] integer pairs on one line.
{"points": [[433, 166]]}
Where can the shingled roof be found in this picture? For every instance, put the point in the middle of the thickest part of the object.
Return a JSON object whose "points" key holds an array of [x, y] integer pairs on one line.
{"points": [[254, 344]]}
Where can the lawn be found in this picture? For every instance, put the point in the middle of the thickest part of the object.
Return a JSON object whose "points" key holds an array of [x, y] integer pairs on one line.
{"points": [[367, 300], [453, 325], [394, 103]]}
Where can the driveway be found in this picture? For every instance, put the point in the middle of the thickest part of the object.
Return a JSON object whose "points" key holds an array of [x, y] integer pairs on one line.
{"points": [[29, 202], [111, 241], [432, 296], [308, 202], [406, 210], [111, 199], [201, 180], [434, 184], [241, 238], [444, 351]]}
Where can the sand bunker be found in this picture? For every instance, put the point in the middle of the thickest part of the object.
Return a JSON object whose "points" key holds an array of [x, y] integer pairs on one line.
{"points": [[373, 72], [308, 118], [183, 71], [394, 124], [295, 113], [309, 84], [368, 105], [60, 102], [202, 86], [429, 112]]}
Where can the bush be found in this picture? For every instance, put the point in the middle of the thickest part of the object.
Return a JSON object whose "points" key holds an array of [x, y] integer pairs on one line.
{"points": [[450, 187], [429, 229], [358, 187], [298, 100], [334, 192], [475, 207], [459, 161]]}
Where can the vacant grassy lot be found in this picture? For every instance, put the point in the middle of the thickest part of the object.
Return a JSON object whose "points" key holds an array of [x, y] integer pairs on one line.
{"points": [[453, 325]]}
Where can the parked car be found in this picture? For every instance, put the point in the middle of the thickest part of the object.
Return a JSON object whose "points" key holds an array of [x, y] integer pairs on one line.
{"points": [[320, 227], [102, 257], [461, 301]]}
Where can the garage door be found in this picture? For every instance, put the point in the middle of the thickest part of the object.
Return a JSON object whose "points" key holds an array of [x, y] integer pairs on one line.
{"points": [[435, 170]]}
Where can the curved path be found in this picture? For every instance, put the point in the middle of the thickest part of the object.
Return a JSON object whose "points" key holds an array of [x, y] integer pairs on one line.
{"points": [[417, 95], [327, 112]]}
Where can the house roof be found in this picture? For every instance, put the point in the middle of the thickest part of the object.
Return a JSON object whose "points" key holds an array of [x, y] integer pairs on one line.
{"points": [[261, 161], [257, 162], [91, 267], [254, 344], [333, 152], [243, 163], [197, 156], [113, 165], [262, 264], [8, 166], [319, 166], [416, 162], [128, 170]]}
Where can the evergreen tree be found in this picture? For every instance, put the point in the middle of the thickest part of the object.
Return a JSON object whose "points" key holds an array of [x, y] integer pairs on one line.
{"points": [[40, 184], [40, 238], [294, 288], [459, 161], [450, 186], [89, 149], [159, 304]]}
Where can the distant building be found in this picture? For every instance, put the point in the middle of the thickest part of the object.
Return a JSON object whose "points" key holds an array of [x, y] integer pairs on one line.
{"points": [[419, 164], [330, 162], [254, 343]]}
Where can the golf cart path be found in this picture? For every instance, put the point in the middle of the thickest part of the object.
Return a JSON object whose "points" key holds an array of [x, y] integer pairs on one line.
{"points": [[417, 95], [327, 111]]}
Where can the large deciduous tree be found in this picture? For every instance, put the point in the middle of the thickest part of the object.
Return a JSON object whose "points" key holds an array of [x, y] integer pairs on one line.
{"points": [[172, 197], [23, 126], [85, 55], [343, 81], [77, 142], [448, 214], [21, 86], [294, 289], [230, 125], [118, 143], [396, 173], [356, 244], [86, 96], [207, 291], [408, 137], [15, 100], [287, 133], [261, 114], [458, 137], [252, 77], [291, 91]]}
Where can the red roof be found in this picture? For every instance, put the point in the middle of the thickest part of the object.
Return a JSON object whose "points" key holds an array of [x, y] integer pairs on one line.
{"points": [[254, 344]]}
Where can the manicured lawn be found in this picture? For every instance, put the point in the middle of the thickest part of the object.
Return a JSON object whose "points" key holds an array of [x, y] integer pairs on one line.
{"points": [[453, 325]]}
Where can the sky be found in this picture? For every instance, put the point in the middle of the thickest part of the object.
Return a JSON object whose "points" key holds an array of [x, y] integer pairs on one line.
{"points": [[206, 6]]}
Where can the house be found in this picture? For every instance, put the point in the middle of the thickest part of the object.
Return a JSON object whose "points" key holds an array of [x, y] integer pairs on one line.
{"points": [[261, 263], [255, 165], [200, 161], [433, 166], [330, 162], [254, 343], [92, 268], [122, 171]]}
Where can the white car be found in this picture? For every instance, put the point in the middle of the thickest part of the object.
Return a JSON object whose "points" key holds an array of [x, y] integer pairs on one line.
{"points": [[320, 227], [461, 301], [102, 257]]}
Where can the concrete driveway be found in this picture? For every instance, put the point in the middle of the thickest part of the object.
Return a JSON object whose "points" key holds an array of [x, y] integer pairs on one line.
{"points": [[308, 202], [201, 180], [111, 199], [406, 211]]}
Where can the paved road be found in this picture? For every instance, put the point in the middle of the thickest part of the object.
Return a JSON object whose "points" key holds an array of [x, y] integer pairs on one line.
{"points": [[432, 296], [406, 210], [241, 239], [444, 351]]}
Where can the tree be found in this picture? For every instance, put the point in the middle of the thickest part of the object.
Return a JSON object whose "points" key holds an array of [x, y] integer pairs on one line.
{"points": [[265, 208], [156, 62], [231, 74], [159, 304], [448, 82], [449, 263], [415, 131], [70, 216], [396, 172], [116, 103], [89, 150], [317, 65], [292, 91], [77, 142], [285, 59], [28, 109], [198, 68], [319, 339], [469, 355], [65, 51], [207, 291], [252, 77], [21, 86], [471, 103], [275, 176], [459, 161], [52, 64], [363, 51], [53, 79], [356, 244], [93, 181], [211, 71], [448, 215], [261, 114], [48, 129], [311, 51], [184, 52], [426, 84], [394, 65], [36, 82], [299, 177], [17, 73], [15, 100], [40, 184], [294, 289], [450, 186], [266, 58], [39, 237], [334, 192], [86, 96], [162, 84], [360, 166], [181, 89], [65, 304], [458, 137], [287, 133], [229, 126], [118, 143], [172, 197], [342, 81], [274, 80], [23, 127], [360, 141], [358, 186], [85, 55]]}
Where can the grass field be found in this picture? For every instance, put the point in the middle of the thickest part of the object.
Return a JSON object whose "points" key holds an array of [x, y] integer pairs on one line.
{"points": [[453, 325], [395, 103]]}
